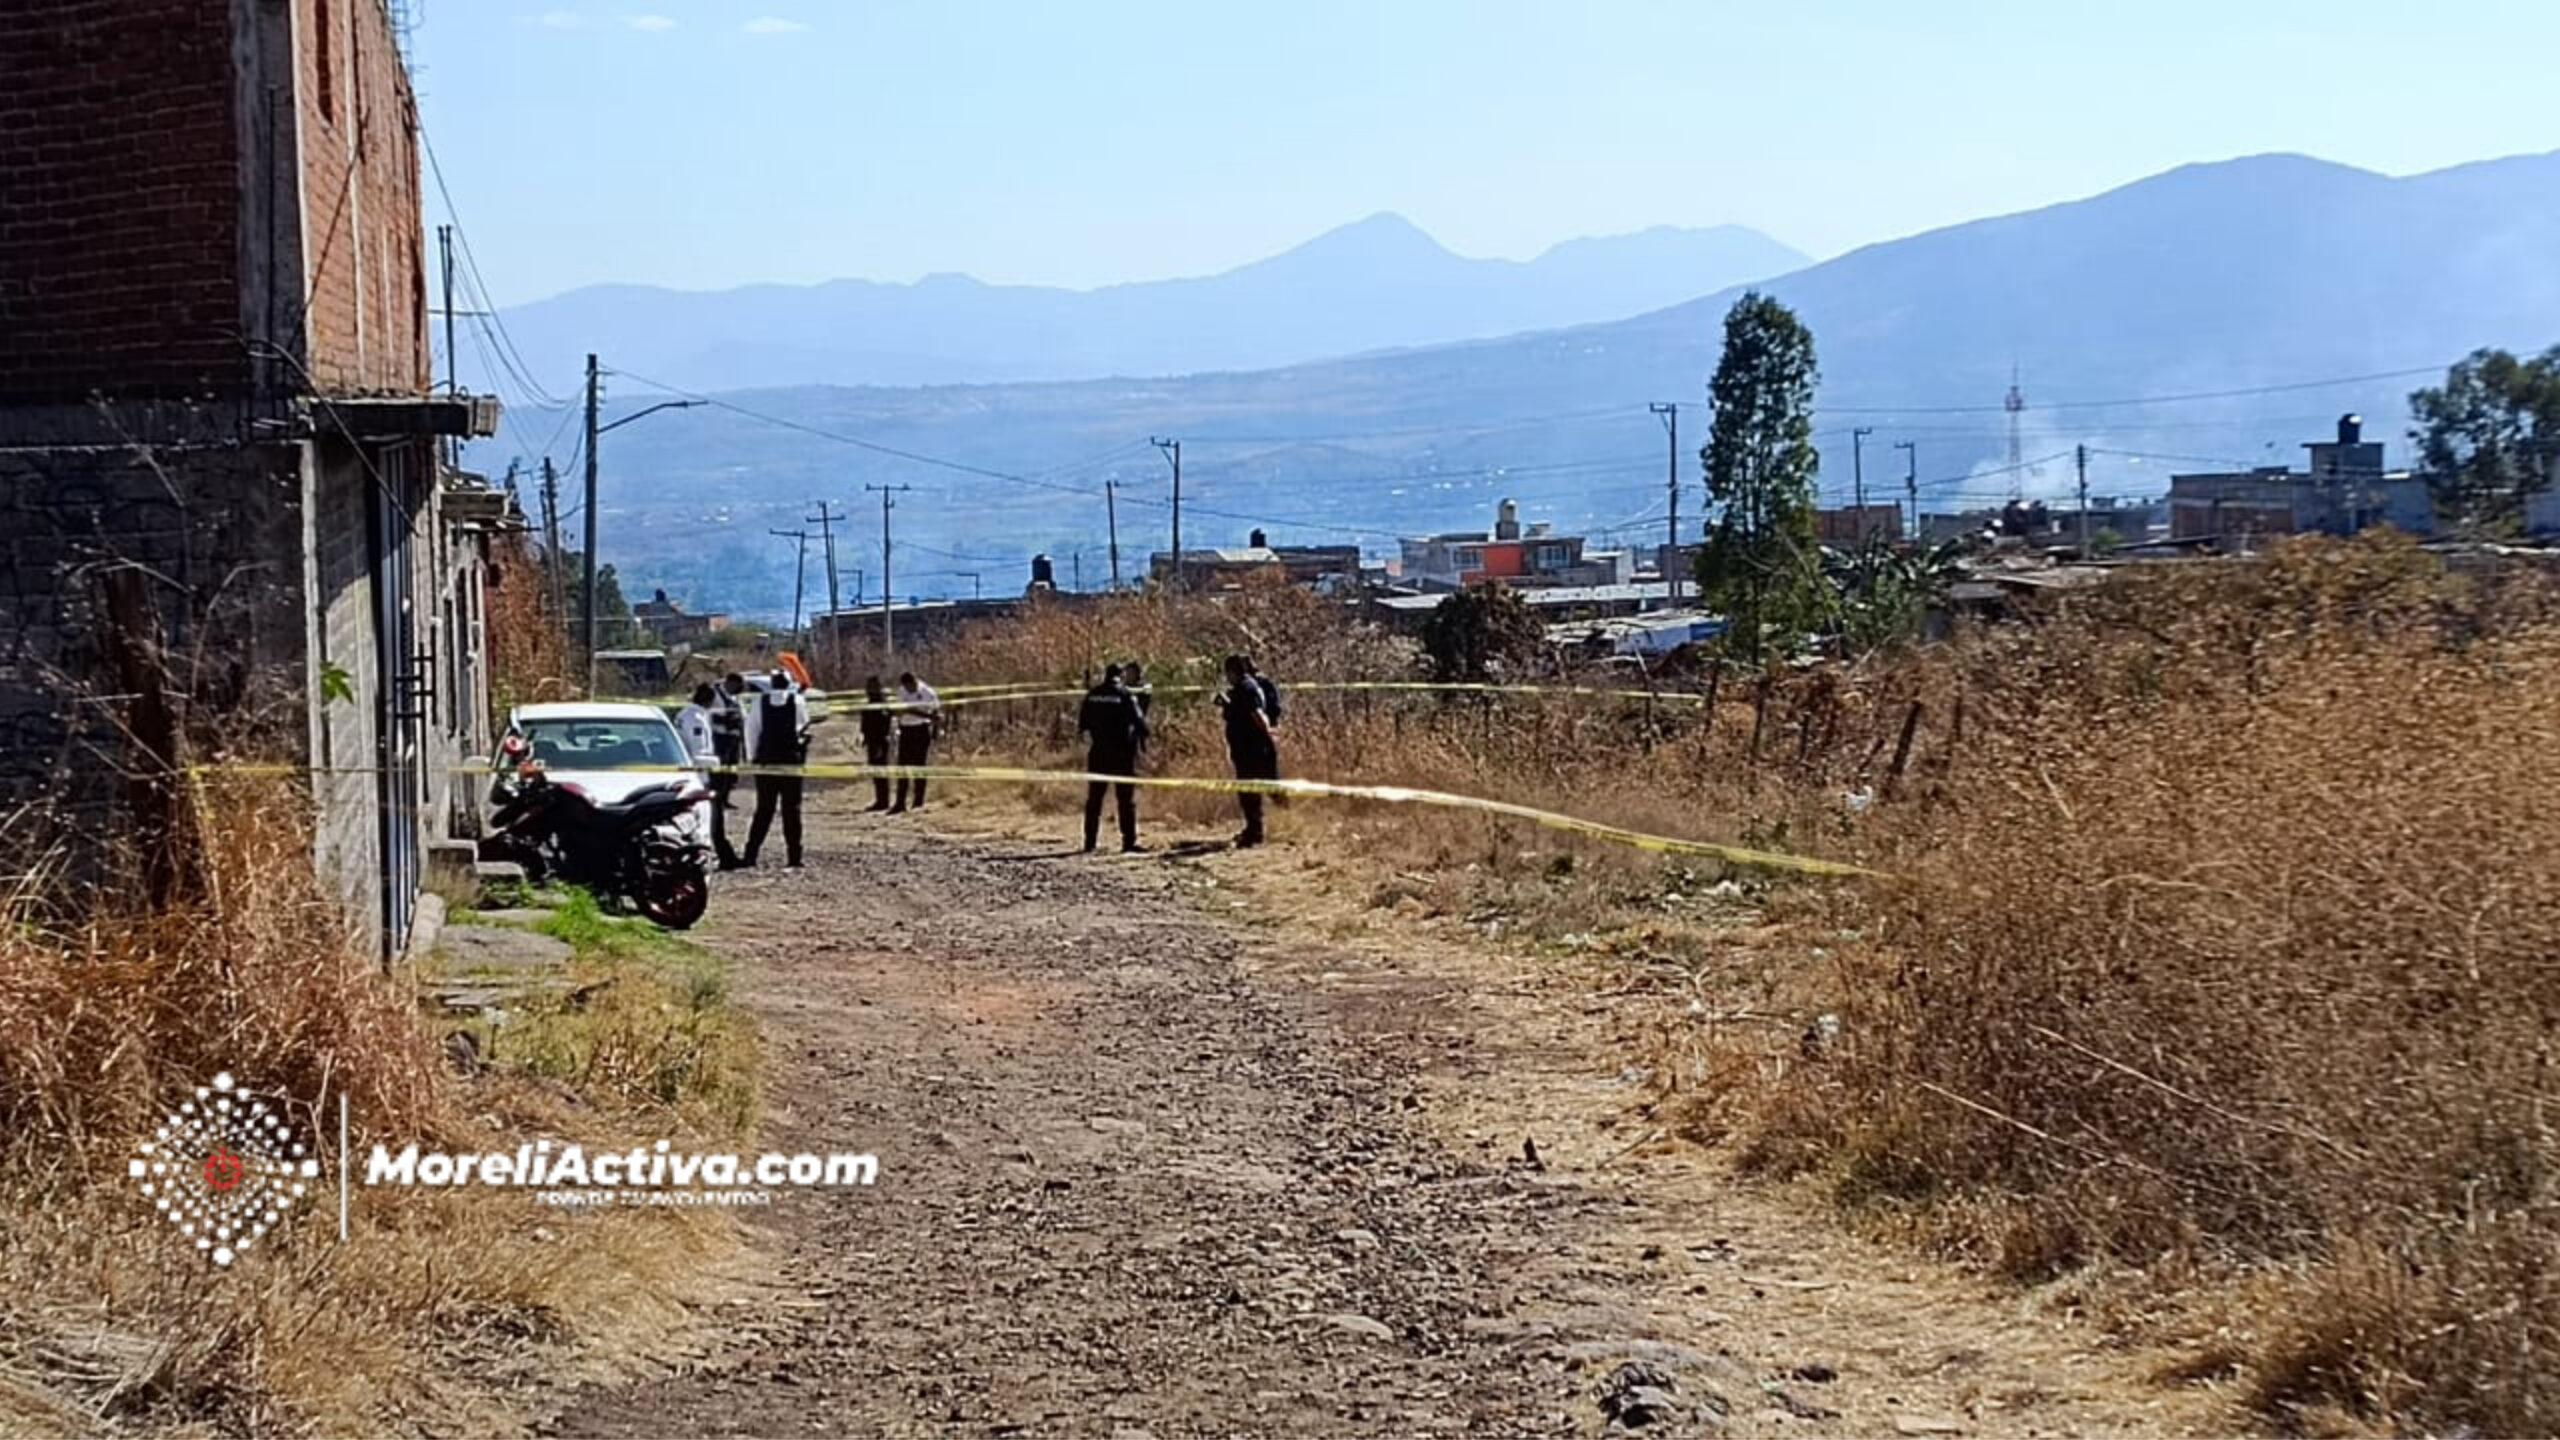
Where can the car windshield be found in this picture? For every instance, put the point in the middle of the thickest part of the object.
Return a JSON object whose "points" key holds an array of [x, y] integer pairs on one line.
{"points": [[580, 744]]}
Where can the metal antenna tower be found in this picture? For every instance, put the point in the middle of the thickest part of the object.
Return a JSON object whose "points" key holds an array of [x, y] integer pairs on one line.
{"points": [[2016, 404]]}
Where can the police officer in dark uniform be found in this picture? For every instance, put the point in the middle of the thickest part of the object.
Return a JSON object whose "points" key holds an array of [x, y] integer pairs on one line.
{"points": [[877, 723], [1251, 747], [777, 734], [1115, 729]]}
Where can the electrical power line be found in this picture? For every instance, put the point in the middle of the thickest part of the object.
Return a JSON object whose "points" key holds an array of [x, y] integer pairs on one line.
{"points": [[2137, 400], [1489, 476], [511, 358]]}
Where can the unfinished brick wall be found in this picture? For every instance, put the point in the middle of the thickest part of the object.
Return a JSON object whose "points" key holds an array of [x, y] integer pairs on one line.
{"points": [[364, 255], [119, 201]]}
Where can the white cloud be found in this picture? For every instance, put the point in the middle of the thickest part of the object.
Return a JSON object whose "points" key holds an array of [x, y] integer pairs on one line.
{"points": [[773, 25], [555, 19], [649, 22]]}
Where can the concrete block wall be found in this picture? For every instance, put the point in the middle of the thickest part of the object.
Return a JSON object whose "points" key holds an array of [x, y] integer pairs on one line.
{"points": [[345, 731], [217, 528]]}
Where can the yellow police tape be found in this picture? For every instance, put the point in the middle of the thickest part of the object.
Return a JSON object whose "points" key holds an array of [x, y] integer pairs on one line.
{"points": [[959, 696], [1387, 794]]}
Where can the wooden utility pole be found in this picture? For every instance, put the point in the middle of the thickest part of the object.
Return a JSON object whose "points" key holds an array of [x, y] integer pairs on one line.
{"points": [[888, 590], [1670, 414], [2083, 458], [1111, 511], [559, 566], [1911, 483], [587, 599], [800, 576], [1858, 478], [1173, 452], [452, 357], [827, 532]]}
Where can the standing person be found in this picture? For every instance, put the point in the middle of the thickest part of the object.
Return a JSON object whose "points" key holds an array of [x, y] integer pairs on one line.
{"points": [[877, 722], [917, 707], [728, 747], [1270, 692], [693, 723], [1270, 708], [1133, 678], [1251, 746], [777, 734], [1114, 729]]}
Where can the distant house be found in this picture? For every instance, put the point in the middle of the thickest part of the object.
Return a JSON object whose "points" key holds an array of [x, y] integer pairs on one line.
{"points": [[2345, 490], [667, 623], [1555, 604], [917, 622], [1852, 525], [2109, 519], [1312, 565], [1533, 557]]}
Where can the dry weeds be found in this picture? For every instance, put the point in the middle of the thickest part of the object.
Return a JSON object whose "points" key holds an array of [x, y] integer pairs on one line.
{"points": [[2216, 961], [437, 1303]]}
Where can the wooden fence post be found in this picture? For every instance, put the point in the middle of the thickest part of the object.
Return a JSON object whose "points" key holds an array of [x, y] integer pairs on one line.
{"points": [[155, 787], [1902, 747]]}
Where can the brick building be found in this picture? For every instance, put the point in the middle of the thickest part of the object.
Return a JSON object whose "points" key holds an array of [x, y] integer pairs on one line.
{"points": [[218, 430]]}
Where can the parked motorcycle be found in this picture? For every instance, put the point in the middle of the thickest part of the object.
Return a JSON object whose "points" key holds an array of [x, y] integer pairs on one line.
{"points": [[643, 849]]}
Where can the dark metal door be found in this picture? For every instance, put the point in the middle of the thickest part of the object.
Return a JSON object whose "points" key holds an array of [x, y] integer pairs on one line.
{"points": [[402, 701]]}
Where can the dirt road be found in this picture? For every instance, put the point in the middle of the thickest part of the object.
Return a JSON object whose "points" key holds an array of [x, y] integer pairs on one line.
{"points": [[1146, 1170]]}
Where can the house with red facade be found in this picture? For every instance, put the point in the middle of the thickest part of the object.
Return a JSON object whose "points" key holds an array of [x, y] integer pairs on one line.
{"points": [[1535, 555]]}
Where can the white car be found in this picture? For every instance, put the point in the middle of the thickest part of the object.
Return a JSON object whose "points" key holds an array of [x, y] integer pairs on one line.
{"points": [[609, 750], [760, 682]]}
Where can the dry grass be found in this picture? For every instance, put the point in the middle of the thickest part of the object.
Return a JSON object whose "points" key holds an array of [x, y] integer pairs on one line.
{"points": [[2218, 952], [2228, 941], [109, 1319], [528, 640]]}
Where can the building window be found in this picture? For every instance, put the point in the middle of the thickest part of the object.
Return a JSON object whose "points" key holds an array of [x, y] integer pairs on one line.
{"points": [[327, 50]]}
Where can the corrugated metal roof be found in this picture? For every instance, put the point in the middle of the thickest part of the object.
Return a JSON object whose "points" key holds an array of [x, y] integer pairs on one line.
{"points": [[1553, 596]]}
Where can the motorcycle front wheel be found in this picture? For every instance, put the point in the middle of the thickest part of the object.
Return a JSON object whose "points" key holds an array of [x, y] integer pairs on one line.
{"points": [[676, 898]]}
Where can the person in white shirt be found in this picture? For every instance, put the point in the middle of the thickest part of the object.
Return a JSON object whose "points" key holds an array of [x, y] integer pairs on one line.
{"points": [[693, 722], [918, 707]]}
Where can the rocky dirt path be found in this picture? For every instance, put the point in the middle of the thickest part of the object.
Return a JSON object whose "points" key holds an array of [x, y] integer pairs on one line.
{"points": [[1146, 1171]]}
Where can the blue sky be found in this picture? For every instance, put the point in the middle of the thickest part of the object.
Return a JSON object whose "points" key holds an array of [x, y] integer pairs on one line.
{"points": [[709, 143]]}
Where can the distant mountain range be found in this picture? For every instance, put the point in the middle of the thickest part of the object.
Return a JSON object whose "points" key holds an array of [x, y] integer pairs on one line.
{"points": [[1372, 284], [2131, 317]]}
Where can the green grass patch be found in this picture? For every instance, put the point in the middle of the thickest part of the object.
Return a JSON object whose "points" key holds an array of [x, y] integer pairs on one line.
{"points": [[584, 924], [649, 1021]]}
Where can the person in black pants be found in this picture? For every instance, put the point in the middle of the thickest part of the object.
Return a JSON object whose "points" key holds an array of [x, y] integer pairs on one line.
{"points": [[877, 722], [1250, 743], [728, 747], [917, 707], [1114, 730], [777, 734]]}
